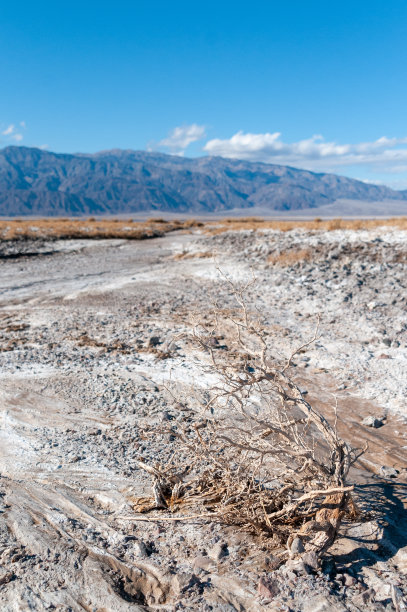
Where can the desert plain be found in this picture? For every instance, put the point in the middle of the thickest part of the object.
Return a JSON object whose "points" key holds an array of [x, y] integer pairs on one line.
{"points": [[95, 352]]}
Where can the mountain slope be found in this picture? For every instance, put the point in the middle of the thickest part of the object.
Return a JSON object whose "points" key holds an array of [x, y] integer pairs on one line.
{"points": [[36, 182]]}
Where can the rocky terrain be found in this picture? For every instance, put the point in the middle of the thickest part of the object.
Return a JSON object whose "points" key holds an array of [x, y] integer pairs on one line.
{"points": [[42, 183], [94, 352]]}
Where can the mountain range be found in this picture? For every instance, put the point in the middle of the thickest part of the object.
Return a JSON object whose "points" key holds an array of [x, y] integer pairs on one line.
{"points": [[38, 182]]}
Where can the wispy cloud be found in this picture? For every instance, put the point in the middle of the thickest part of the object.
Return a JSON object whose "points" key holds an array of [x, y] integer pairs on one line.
{"points": [[11, 133], [315, 153], [181, 137], [9, 130]]}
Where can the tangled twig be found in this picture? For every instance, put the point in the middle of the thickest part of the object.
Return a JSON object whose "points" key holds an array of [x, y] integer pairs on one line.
{"points": [[260, 456]]}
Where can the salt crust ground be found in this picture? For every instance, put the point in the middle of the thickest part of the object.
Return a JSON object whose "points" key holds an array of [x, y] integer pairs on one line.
{"points": [[80, 377]]}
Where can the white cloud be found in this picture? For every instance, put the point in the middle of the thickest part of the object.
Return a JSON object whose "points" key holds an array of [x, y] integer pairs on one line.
{"points": [[182, 136], [11, 133], [9, 130], [386, 154]]}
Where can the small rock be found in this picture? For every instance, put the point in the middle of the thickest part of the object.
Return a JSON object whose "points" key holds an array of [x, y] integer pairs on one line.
{"points": [[398, 600], [372, 421], [268, 588], [297, 546], [349, 580], [366, 597], [388, 472], [6, 576], [139, 549], [298, 566], [154, 341], [272, 563], [400, 559], [203, 563], [158, 531], [310, 560], [329, 567], [384, 356], [182, 581], [94, 432], [218, 551]]}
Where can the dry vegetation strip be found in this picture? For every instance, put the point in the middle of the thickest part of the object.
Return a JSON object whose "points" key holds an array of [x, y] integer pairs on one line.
{"points": [[255, 223], [59, 228]]}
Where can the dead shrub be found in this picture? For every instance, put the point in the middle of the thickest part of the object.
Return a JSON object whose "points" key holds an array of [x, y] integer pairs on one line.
{"points": [[257, 454]]}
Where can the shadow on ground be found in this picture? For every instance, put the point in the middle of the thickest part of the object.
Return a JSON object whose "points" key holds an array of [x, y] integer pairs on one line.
{"points": [[383, 529]]}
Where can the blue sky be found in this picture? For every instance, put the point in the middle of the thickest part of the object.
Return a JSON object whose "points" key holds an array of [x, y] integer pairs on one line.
{"points": [[319, 85]]}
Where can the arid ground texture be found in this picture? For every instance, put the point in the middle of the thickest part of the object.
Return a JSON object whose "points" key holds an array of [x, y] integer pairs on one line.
{"points": [[95, 356]]}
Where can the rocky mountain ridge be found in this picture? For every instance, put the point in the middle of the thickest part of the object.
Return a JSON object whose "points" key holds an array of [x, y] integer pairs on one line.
{"points": [[38, 182]]}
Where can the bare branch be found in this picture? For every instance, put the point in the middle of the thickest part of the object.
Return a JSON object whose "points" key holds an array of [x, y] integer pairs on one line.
{"points": [[263, 457]]}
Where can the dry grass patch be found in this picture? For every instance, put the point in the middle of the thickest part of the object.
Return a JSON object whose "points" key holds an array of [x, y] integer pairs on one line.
{"points": [[254, 223], [91, 228], [193, 255], [290, 258]]}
